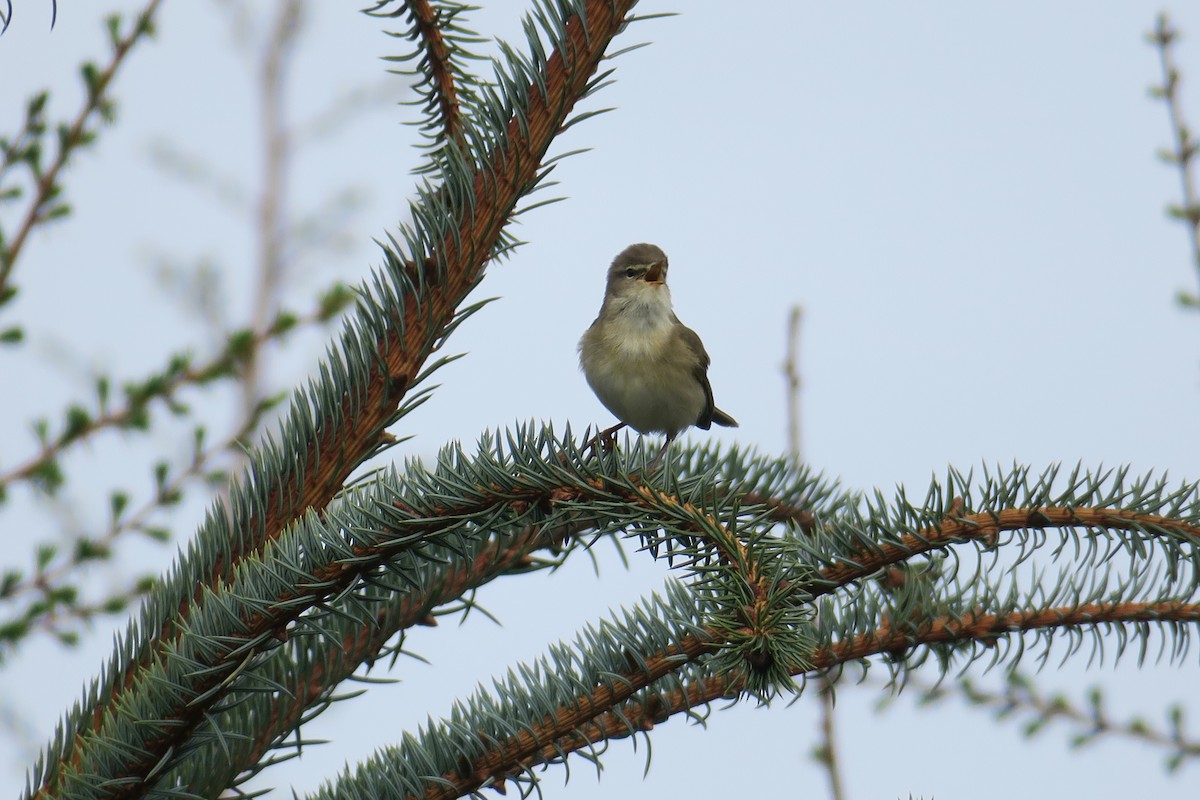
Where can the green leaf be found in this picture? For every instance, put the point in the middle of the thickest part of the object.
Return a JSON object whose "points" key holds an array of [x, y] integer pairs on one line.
{"points": [[12, 578], [283, 323], [69, 638], [48, 476], [113, 24], [117, 501], [331, 302], [14, 631], [58, 211], [63, 595], [79, 420], [45, 554], [103, 391], [114, 605], [91, 79], [240, 344], [37, 104], [156, 533], [91, 550]]}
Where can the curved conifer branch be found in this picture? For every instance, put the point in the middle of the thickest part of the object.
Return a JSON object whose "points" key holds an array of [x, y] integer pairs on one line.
{"points": [[343, 649], [985, 526], [572, 730], [239, 621]]}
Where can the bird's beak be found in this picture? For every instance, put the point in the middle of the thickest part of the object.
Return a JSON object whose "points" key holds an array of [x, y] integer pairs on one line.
{"points": [[655, 273]]}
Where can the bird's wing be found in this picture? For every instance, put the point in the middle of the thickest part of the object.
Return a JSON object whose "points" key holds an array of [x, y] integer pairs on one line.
{"points": [[700, 372]]}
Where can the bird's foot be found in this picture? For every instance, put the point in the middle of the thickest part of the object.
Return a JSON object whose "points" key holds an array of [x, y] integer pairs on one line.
{"points": [[604, 441]]}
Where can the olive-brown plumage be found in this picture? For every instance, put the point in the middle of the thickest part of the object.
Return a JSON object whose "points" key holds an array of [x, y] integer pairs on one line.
{"points": [[644, 365]]}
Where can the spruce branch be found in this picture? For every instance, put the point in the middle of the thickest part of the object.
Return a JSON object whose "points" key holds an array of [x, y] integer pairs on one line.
{"points": [[1182, 154], [309, 668], [44, 204], [409, 310], [646, 710], [985, 526], [620, 703], [429, 23], [386, 545], [426, 504]]}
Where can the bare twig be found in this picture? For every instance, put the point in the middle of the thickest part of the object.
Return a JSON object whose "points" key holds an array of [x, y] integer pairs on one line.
{"points": [[791, 371], [271, 215], [827, 750], [1183, 154]]}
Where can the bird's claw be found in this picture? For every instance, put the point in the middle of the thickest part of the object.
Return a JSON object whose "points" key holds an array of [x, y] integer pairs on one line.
{"points": [[604, 441]]}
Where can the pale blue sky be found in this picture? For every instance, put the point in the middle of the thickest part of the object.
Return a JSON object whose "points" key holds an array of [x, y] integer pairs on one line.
{"points": [[964, 198]]}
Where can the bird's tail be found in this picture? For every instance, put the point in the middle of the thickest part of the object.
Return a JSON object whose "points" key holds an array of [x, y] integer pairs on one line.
{"points": [[721, 418]]}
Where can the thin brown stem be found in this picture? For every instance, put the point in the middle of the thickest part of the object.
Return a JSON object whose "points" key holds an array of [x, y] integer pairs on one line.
{"points": [[1184, 146], [271, 223], [1020, 694], [827, 749], [791, 372]]}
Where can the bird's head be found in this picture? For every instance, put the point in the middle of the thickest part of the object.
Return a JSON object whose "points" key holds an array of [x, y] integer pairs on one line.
{"points": [[639, 274]]}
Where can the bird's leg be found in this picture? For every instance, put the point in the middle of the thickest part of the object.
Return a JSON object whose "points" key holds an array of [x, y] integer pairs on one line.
{"points": [[654, 462]]}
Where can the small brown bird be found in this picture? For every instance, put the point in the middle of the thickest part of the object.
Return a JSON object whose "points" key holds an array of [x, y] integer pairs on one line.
{"points": [[645, 366]]}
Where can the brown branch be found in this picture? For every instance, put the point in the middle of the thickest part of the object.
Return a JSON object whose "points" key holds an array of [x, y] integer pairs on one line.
{"points": [[985, 526], [607, 713], [570, 729], [210, 679], [340, 660], [355, 432], [781, 511], [437, 56], [74, 134]]}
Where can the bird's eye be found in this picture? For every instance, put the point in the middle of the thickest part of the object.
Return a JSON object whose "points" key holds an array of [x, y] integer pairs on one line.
{"points": [[629, 273]]}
